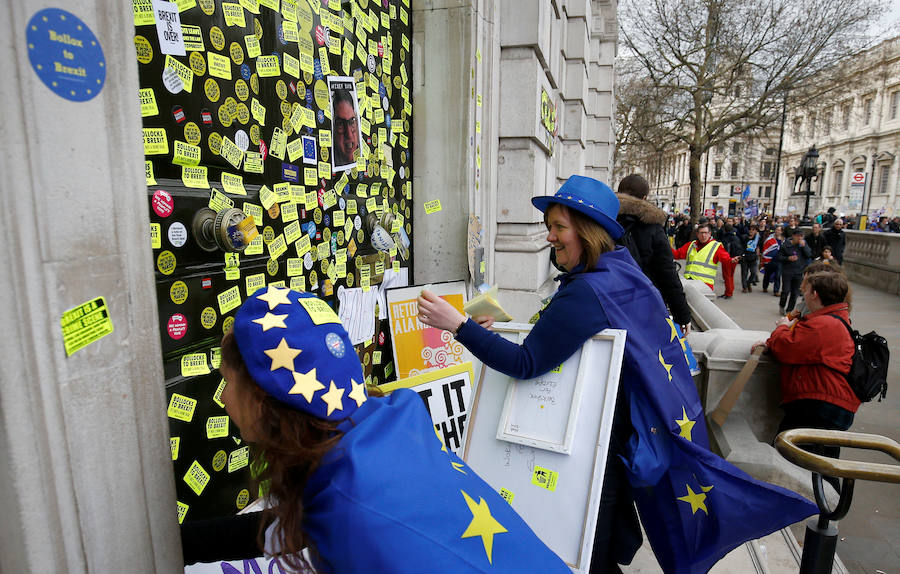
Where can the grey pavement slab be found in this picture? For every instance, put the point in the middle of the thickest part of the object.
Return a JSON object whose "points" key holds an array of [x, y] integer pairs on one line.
{"points": [[870, 534]]}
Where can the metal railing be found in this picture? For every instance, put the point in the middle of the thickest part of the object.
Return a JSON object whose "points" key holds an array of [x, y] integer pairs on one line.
{"points": [[821, 535]]}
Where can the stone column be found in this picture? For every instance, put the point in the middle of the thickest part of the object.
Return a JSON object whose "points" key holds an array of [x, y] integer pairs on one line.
{"points": [[87, 470]]}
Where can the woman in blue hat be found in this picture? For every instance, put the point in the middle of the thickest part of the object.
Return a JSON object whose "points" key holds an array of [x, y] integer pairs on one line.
{"points": [[582, 229], [363, 483]]}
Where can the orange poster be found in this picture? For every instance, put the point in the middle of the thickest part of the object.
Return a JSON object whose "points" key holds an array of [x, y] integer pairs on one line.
{"points": [[417, 347]]}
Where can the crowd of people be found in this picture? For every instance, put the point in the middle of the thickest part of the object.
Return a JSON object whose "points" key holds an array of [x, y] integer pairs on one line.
{"points": [[776, 249]]}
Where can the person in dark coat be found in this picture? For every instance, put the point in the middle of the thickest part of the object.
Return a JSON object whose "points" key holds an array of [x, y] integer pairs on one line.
{"points": [[815, 239], [829, 218], [836, 238], [683, 233], [794, 255], [649, 246]]}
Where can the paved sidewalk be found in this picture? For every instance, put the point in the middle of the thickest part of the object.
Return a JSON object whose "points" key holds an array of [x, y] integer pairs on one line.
{"points": [[870, 534]]}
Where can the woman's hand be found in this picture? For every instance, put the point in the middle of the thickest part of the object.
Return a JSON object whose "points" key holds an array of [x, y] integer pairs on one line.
{"points": [[485, 321], [435, 312], [787, 321], [757, 345]]}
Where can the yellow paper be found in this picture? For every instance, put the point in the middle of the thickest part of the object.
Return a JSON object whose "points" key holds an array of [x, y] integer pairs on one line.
{"points": [[148, 173], [186, 154], [219, 66], [294, 266], [155, 141], [288, 214], [432, 206], [194, 364], [229, 300], [155, 240], [277, 247], [319, 311], [194, 177], [232, 153], [234, 14], [292, 232], [184, 72], [252, 43], [233, 184], [310, 176], [219, 201], [267, 66], [196, 478], [181, 407], [302, 245], [254, 282], [267, 197], [148, 103], [85, 324]]}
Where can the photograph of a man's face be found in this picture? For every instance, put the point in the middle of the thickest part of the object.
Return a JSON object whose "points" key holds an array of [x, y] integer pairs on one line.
{"points": [[345, 130]]}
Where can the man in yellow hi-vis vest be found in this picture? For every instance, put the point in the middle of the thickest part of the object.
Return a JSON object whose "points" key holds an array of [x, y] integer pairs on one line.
{"points": [[702, 254]]}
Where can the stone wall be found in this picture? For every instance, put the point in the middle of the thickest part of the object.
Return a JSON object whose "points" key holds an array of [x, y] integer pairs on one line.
{"points": [[873, 259]]}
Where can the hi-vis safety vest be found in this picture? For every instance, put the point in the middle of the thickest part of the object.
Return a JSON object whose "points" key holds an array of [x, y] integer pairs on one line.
{"points": [[700, 263]]}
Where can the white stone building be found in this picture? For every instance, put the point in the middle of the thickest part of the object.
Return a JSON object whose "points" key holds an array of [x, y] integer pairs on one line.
{"points": [[855, 132]]}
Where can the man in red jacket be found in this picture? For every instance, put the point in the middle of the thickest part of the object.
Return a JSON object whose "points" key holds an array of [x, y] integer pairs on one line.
{"points": [[815, 354], [702, 255]]}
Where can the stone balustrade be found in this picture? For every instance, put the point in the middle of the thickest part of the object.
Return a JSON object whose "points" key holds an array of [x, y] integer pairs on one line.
{"points": [[873, 259]]}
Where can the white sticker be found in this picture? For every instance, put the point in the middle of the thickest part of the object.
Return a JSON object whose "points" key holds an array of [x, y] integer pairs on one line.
{"points": [[307, 261], [357, 222], [402, 172], [370, 63], [242, 140], [172, 81], [177, 234], [168, 28]]}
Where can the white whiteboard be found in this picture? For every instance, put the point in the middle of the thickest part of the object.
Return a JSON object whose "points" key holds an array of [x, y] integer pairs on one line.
{"points": [[566, 517]]}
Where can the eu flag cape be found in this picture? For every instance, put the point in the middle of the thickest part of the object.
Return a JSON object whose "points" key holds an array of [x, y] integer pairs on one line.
{"points": [[391, 497], [694, 506]]}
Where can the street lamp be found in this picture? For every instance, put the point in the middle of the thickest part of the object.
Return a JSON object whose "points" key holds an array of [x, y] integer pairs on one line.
{"points": [[674, 195], [808, 171]]}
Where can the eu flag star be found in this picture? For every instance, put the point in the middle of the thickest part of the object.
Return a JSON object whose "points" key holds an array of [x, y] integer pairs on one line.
{"points": [[674, 330], [685, 424], [333, 399], [275, 296], [358, 392], [306, 385], [270, 321], [667, 366], [483, 524], [282, 355], [695, 499]]}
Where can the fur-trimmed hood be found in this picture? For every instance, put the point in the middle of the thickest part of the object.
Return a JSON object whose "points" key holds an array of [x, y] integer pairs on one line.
{"points": [[645, 211]]}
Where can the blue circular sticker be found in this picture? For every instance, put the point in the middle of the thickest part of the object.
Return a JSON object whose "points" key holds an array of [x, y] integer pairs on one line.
{"points": [[320, 117], [65, 54], [308, 96], [335, 345], [245, 72]]}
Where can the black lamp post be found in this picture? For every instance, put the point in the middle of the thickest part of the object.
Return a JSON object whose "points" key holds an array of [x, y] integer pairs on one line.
{"points": [[808, 171], [674, 195]]}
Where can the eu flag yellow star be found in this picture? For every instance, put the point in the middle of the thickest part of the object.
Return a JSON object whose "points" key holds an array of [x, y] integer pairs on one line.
{"points": [[667, 366], [306, 385], [483, 524], [270, 321], [333, 399], [282, 355], [458, 466], [685, 424], [357, 392], [696, 499], [672, 326], [275, 296]]}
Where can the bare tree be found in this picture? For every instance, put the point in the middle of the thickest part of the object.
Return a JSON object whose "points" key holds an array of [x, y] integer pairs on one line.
{"points": [[712, 70]]}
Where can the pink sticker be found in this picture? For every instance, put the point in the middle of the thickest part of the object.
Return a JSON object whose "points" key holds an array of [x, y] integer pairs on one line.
{"points": [[381, 338], [320, 35], [163, 204], [177, 326]]}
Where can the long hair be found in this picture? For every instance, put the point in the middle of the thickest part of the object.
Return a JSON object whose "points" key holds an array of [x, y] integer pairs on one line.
{"points": [[594, 239], [289, 448]]}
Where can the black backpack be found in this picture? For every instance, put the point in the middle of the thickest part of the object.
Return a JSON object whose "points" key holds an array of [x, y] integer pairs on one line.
{"points": [[868, 373]]}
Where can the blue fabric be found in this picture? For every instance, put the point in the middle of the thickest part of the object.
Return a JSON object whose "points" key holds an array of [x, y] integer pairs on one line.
{"points": [[729, 507], [390, 498], [662, 464]]}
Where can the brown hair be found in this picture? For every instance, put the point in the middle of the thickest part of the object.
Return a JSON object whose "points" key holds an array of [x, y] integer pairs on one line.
{"points": [[289, 448], [830, 286], [634, 185], [594, 239]]}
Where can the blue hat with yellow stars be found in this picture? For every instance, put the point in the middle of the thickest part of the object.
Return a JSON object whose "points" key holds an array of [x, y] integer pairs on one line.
{"points": [[296, 349], [589, 196]]}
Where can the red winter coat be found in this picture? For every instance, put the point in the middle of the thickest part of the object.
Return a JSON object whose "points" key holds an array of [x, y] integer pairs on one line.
{"points": [[815, 354]]}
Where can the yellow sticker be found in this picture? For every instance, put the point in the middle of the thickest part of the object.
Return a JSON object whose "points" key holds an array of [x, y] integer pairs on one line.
{"points": [[178, 292], [219, 459], [267, 197], [208, 319], [545, 478], [186, 154], [84, 324], [292, 232], [252, 43], [272, 269], [208, 6], [148, 103], [294, 266], [194, 364], [233, 184], [184, 72], [155, 238], [237, 53], [212, 90], [165, 262], [181, 407], [267, 66], [242, 499], [194, 176], [239, 458], [143, 47], [302, 245], [432, 206], [507, 495], [234, 15], [291, 65], [182, 511], [229, 300], [193, 39], [310, 176], [319, 311], [289, 214], [185, 4], [255, 247], [155, 141], [174, 445], [217, 396], [217, 427], [148, 172], [254, 283], [232, 153], [143, 12], [192, 133], [219, 66], [218, 201], [277, 247], [217, 38], [196, 478]]}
